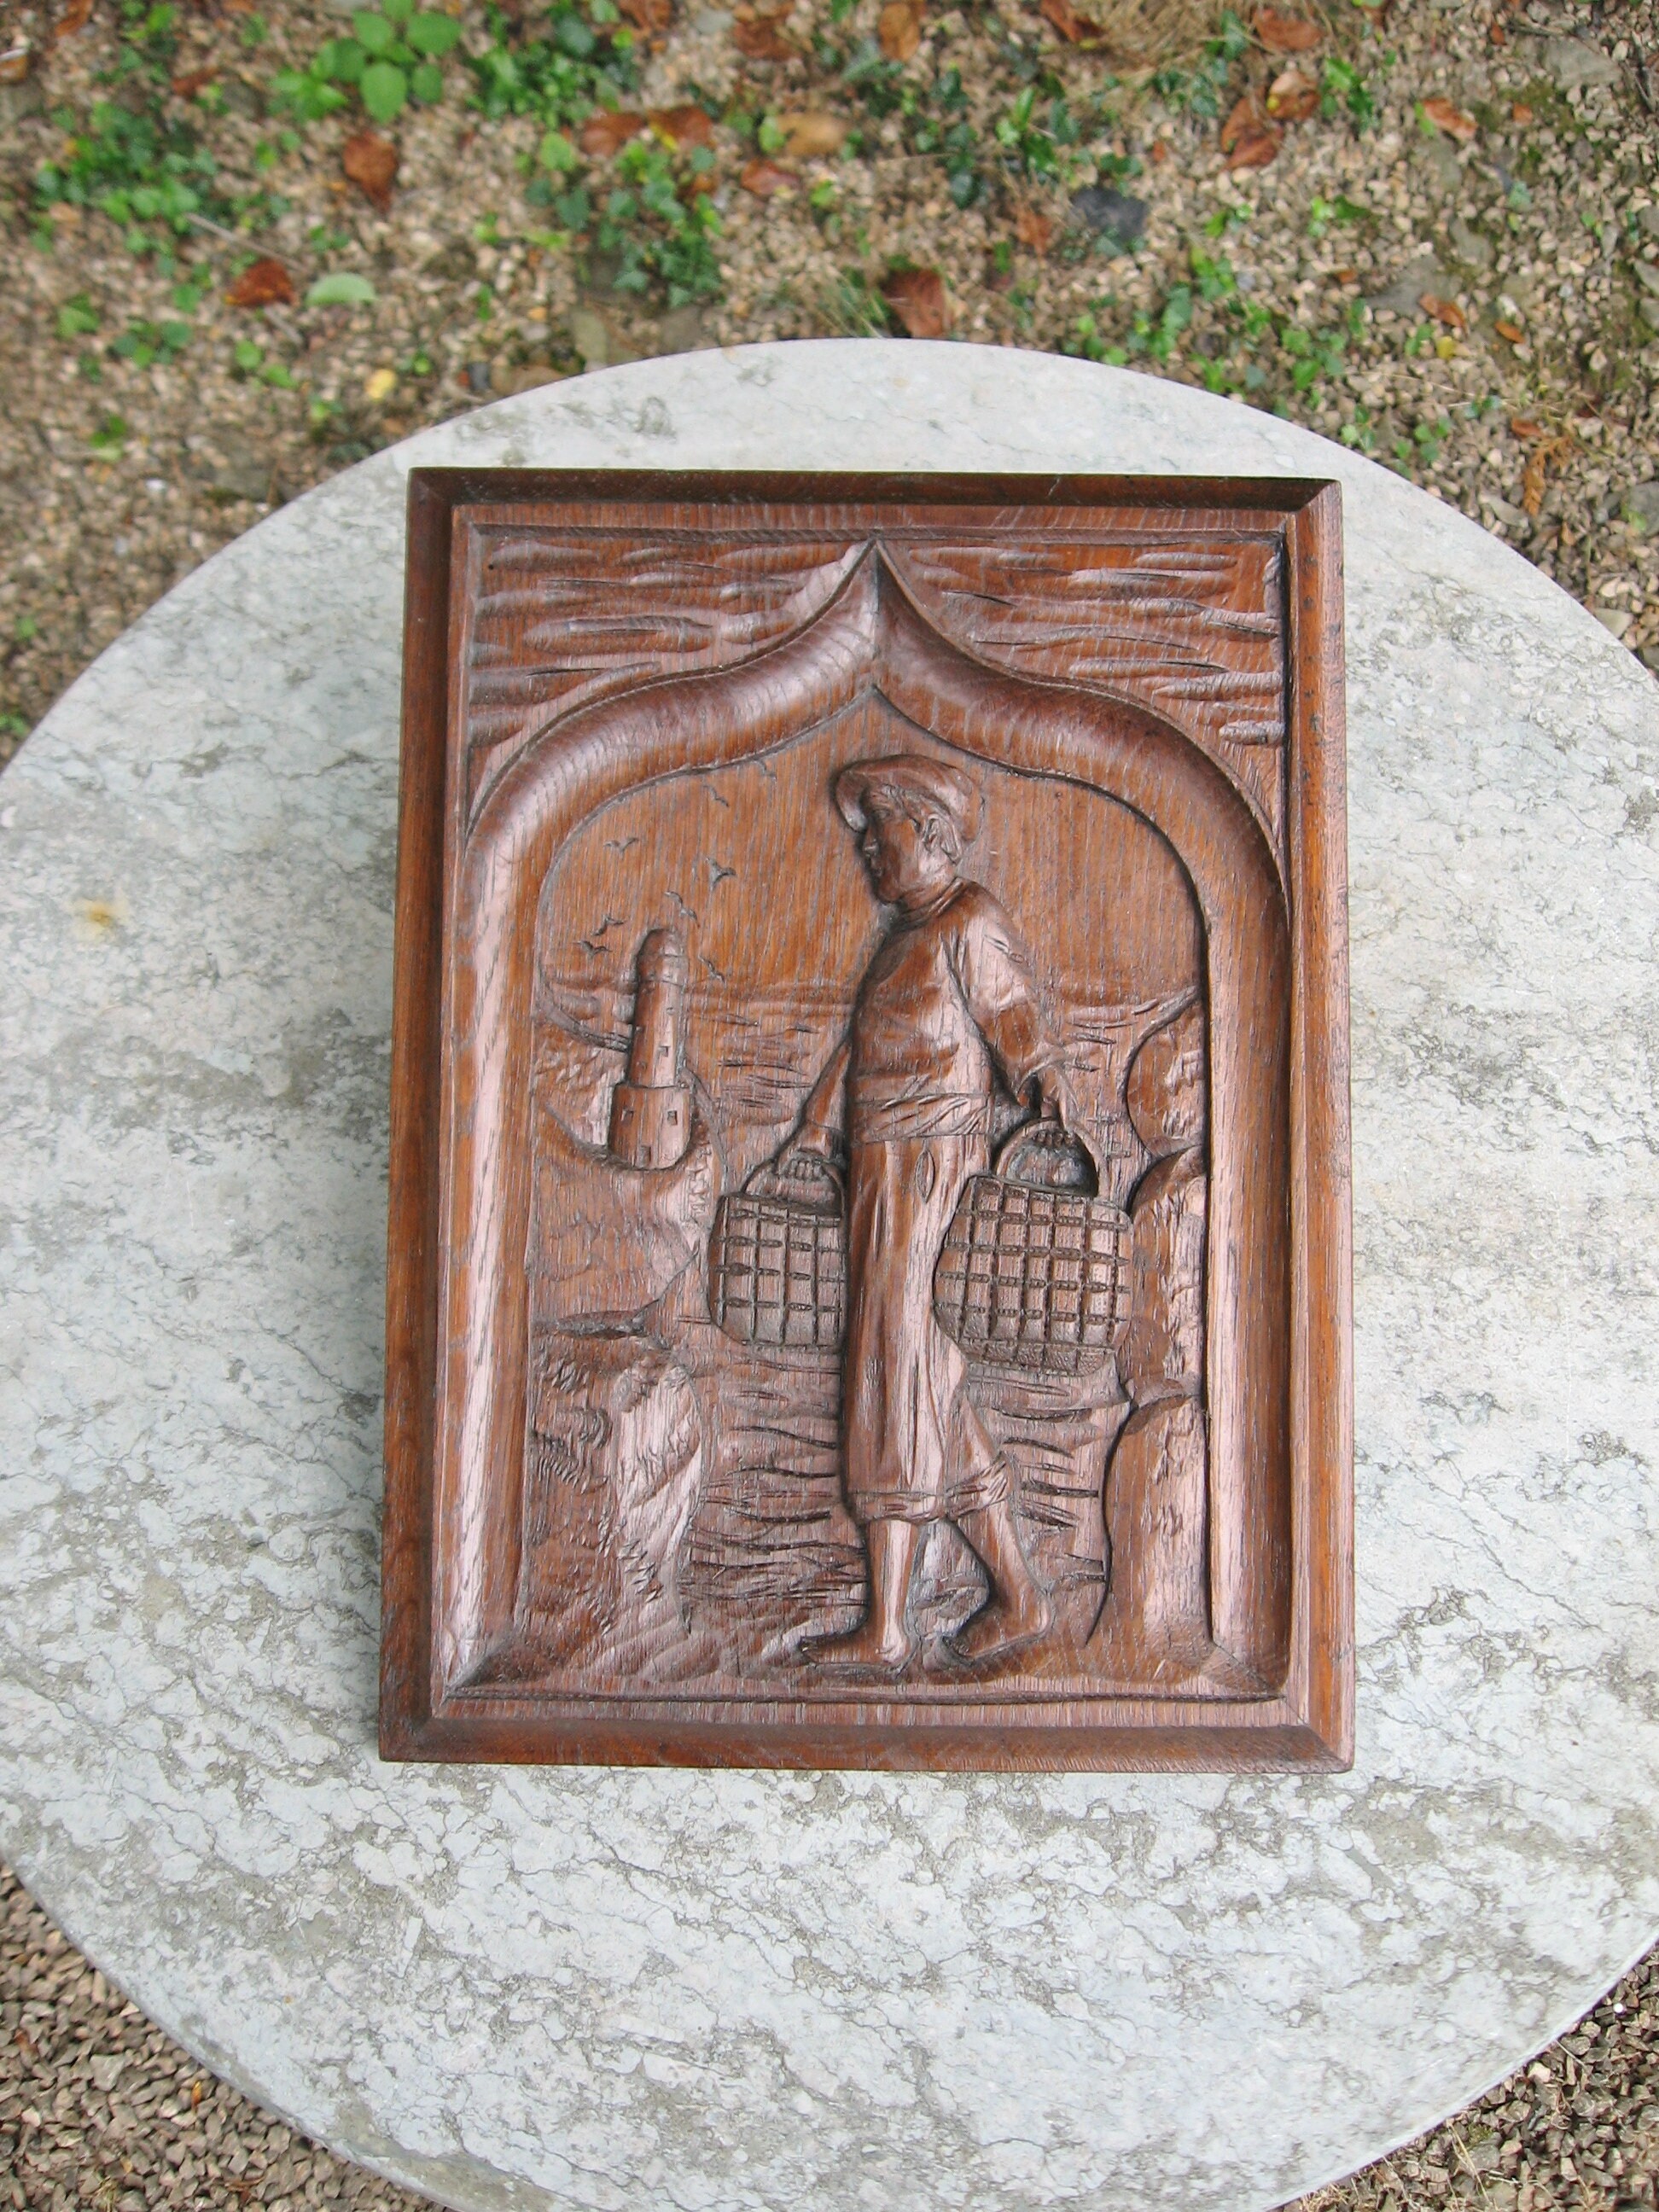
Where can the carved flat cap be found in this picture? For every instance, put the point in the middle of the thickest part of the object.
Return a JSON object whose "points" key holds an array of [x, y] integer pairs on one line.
{"points": [[954, 792]]}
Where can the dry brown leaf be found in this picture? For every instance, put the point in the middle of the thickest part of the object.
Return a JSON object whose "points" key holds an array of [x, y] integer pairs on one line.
{"points": [[371, 163], [1520, 113], [917, 299], [1291, 97], [813, 133], [1033, 228], [1247, 139], [1523, 427], [683, 126], [75, 17], [1544, 453], [605, 134], [648, 16], [262, 284], [15, 63], [1081, 30], [763, 177], [1285, 34], [1452, 120], [1446, 312], [761, 41], [1512, 331], [187, 86], [1245, 116], [899, 29]]}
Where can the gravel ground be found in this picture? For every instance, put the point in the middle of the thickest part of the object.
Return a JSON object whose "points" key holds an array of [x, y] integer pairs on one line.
{"points": [[243, 250]]}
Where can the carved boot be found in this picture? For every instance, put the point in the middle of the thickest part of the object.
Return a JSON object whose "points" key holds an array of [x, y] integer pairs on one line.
{"points": [[882, 1637], [1018, 1609]]}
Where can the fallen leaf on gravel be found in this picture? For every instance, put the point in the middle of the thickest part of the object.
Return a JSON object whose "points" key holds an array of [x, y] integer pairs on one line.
{"points": [[380, 385], [371, 162], [648, 15], [683, 126], [1111, 214], [1443, 310], [75, 17], [762, 41], [262, 284], [812, 131], [1452, 120], [1512, 331], [899, 29], [1291, 97], [1244, 116], [1079, 29], [763, 177], [1033, 228], [1285, 34], [604, 134], [1520, 113], [15, 63], [1247, 139], [187, 86], [1523, 427], [918, 301], [340, 287]]}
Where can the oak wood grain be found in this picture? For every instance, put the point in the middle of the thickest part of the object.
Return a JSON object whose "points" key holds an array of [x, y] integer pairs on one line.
{"points": [[869, 1253]]}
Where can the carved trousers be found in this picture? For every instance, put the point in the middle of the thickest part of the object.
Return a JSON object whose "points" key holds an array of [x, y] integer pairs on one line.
{"points": [[915, 1448]]}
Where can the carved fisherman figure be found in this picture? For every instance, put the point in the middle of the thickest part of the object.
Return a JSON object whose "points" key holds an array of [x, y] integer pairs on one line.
{"points": [[1156, 1622], [945, 1008]]}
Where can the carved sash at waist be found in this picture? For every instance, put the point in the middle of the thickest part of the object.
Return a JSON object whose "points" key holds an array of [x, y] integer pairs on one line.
{"points": [[881, 1119]]}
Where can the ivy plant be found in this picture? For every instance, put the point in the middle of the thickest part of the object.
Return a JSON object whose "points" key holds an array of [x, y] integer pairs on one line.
{"points": [[393, 55]]}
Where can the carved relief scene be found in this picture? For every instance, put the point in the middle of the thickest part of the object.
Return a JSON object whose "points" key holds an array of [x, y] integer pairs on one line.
{"points": [[833, 1250], [870, 1111]]}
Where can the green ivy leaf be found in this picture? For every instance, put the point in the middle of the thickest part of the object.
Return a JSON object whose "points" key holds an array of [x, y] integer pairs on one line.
{"points": [[340, 287], [433, 35], [426, 81], [397, 11], [384, 89], [372, 30], [77, 317], [342, 60]]}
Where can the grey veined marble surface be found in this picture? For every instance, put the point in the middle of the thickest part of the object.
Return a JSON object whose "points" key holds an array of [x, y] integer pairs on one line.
{"points": [[718, 1990]]}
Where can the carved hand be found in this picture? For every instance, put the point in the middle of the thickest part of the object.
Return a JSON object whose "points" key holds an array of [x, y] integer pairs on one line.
{"points": [[1055, 1099]]}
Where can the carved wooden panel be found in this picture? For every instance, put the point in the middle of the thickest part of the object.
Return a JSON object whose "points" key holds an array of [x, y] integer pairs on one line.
{"points": [[869, 1266]]}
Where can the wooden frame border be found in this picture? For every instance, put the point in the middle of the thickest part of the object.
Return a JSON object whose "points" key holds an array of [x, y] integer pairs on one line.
{"points": [[1310, 1724]]}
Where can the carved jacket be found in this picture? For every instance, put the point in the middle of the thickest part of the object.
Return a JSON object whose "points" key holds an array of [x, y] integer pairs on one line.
{"points": [[945, 1005]]}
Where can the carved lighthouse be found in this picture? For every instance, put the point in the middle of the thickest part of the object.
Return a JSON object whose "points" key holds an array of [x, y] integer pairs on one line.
{"points": [[650, 1107]]}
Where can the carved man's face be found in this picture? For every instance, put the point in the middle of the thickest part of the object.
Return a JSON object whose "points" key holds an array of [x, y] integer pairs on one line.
{"points": [[904, 856]]}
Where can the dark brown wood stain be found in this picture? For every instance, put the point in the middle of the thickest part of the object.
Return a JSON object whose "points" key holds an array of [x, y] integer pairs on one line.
{"points": [[869, 1252]]}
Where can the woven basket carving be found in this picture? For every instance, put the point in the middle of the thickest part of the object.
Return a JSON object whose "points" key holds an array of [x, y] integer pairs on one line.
{"points": [[777, 1262], [1034, 1272]]}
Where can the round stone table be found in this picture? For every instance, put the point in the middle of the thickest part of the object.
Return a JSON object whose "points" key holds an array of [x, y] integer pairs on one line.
{"points": [[643, 1989]]}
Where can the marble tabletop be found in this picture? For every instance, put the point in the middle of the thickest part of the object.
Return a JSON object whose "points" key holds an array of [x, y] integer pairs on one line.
{"points": [[635, 1989]]}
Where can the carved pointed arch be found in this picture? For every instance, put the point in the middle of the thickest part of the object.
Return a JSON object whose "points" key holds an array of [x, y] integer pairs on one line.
{"points": [[869, 635]]}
